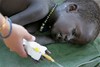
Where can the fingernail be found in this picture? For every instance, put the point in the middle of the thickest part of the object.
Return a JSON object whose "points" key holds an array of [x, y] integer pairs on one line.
{"points": [[33, 38]]}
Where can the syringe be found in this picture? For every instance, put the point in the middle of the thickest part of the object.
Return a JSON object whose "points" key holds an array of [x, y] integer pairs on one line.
{"points": [[45, 55], [48, 57], [36, 50]]}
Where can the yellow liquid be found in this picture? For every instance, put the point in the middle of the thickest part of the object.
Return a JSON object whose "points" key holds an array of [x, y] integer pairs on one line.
{"points": [[51, 59]]}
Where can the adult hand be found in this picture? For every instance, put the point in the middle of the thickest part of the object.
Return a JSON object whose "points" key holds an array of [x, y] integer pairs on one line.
{"points": [[15, 41]]}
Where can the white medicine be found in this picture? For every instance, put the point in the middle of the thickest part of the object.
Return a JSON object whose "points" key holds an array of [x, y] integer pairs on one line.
{"points": [[30, 46]]}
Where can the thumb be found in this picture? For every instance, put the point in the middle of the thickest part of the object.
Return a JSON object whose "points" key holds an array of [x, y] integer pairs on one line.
{"points": [[29, 37]]}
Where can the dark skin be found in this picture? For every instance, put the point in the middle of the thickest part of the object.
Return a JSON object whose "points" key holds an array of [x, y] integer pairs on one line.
{"points": [[73, 21]]}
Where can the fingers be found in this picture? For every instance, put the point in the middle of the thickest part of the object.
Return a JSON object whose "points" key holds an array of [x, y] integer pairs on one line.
{"points": [[19, 49], [29, 37], [22, 52]]}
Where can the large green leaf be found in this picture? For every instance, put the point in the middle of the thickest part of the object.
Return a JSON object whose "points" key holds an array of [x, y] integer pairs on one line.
{"points": [[66, 54]]}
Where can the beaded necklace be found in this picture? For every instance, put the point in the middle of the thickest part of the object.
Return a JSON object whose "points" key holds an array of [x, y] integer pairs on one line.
{"points": [[48, 17]]}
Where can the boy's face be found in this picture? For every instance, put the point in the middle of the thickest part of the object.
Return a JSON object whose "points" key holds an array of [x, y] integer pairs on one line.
{"points": [[71, 26]]}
